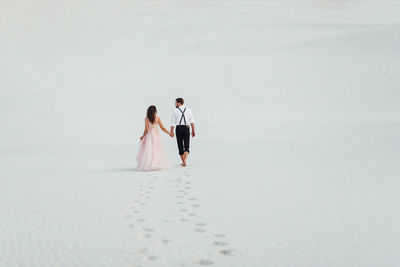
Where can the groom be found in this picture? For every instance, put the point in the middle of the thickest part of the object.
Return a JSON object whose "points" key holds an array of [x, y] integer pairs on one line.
{"points": [[182, 117]]}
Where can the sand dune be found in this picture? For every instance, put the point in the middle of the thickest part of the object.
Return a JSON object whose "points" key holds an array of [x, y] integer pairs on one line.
{"points": [[296, 158]]}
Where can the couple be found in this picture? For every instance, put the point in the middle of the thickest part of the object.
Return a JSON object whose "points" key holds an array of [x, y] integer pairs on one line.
{"points": [[151, 155]]}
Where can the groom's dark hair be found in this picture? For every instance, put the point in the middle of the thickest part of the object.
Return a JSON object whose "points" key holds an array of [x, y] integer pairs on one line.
{"points": [[180, 100]]}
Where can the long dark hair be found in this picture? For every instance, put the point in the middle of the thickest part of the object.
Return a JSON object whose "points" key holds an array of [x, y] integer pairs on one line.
{"points": [[151, 113]]}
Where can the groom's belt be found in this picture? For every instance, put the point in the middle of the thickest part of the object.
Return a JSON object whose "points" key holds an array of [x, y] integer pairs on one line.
{"points": [[183, 125]]}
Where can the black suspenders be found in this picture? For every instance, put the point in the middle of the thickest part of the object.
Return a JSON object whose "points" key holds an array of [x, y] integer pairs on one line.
{"points": [[183, 116]]}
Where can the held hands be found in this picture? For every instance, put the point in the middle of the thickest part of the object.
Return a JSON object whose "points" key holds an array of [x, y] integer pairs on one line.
{"points": [[171, 134]]}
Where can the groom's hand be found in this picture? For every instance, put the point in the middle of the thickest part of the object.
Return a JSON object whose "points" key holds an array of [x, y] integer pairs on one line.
{"points": [[171, 134], [193, 134]]}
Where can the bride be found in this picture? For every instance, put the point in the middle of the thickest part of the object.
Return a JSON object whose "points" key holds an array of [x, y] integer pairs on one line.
{"points": [[151, 155]]}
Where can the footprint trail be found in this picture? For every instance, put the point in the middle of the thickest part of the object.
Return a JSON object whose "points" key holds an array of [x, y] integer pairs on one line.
{"points": [[170, 231]]}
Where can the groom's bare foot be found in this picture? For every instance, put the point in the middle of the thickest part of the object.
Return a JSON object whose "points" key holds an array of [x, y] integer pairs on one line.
{"points": [[184, 164]]}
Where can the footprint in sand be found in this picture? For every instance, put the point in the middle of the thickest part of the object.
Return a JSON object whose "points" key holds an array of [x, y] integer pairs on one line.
{"points": [[152, 257], [219, 235], [220, 243], [206, 262], [227, 252]]}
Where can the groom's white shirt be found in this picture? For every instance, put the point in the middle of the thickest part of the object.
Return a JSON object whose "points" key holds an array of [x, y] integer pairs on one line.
{"points": [[176, 116]]}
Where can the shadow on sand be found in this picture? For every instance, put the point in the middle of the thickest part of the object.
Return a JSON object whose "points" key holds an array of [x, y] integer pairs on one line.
{"points": [[120, 170]]}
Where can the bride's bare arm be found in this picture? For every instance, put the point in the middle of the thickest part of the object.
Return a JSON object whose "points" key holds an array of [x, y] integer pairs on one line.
{"points": [[162, 127], [146, 129]]}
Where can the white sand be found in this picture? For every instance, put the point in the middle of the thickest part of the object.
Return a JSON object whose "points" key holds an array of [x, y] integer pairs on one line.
{"points": [[296, 159]]}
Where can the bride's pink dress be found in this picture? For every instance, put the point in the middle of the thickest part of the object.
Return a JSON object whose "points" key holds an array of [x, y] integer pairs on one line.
{"points": [[151, 155]]}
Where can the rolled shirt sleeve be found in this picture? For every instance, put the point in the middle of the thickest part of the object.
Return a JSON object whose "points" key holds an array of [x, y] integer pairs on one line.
{"points": [[173, 120], [189, 118]]}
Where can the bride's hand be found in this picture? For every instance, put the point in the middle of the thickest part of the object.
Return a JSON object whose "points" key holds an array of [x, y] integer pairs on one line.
{"points": [[141, 138]]}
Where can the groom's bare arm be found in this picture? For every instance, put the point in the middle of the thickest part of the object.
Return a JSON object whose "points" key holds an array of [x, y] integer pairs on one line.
{"points": [[193, 130]]}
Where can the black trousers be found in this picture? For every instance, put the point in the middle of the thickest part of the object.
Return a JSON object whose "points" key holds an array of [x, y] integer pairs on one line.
{"points": [[183, 138]]}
